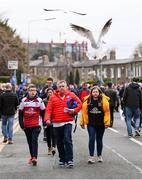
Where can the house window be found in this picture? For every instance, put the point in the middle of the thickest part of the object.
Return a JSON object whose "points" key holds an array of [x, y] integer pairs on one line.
{"points": [[105, 73], [112, 72], [140, 72], [82, 73], [98, 73], [134, 72], [119, 72], [137, 71]]}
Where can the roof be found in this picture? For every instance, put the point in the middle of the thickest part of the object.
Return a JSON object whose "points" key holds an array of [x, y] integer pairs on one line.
{"points": [[36, 62], [120, 61], [49, 64], [87, 63]]}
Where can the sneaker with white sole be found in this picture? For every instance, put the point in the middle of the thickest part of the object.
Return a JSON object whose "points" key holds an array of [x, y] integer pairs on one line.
{"points": [[130, 135], [53, 151], [70, 164], [100, 159], [137, 132], [91, 160], [61, 164], [49, 151]]}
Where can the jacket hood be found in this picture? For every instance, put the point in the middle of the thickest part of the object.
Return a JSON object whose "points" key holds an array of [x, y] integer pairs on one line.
{"points": [[134, 85], [103, 95]]}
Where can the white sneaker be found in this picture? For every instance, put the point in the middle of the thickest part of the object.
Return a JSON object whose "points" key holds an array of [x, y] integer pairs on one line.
{"points": [[100, 159], [49, 151], [53, 151], [91, 160]]}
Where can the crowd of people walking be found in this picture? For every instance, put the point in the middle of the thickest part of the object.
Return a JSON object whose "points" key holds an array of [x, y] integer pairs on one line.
{"points": [[55, 107]]}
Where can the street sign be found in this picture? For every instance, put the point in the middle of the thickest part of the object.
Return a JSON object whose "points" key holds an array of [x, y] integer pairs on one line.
{"points": [[12, 64]]}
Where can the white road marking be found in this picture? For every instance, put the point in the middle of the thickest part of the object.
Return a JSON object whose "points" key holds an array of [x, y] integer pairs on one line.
{"points": [[16, 128], [132, 139], [123, 158], [136, 141], [2, 146], [114, 130]]}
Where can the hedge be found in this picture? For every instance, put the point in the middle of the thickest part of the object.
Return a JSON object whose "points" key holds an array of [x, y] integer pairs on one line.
{"points": [[4, 79]]}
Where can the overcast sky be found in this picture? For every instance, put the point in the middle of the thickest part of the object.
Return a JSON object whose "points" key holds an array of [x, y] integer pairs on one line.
{"points": [[125, 33]]}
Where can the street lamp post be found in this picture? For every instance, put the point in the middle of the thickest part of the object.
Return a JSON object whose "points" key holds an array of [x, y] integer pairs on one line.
{"points": [[101, 71], [28, 47]]}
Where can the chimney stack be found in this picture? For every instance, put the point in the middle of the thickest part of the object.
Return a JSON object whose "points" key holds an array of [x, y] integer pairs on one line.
{"points": [[112, 54]]}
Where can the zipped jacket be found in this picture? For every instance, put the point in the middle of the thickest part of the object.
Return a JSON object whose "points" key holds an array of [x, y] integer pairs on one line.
{"points": [[84, 120], [55, 109]]}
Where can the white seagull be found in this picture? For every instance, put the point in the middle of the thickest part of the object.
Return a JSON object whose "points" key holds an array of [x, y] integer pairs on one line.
{"points": [[89, 35], [64, 11]]}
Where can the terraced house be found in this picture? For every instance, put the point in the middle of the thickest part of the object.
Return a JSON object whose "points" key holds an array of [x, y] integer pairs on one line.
{"points": [[70, 61]]}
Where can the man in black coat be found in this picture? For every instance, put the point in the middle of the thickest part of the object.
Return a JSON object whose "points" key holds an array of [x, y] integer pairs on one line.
{"points": [[132, 101], [49, 84], [8, 107], [112, 94]]}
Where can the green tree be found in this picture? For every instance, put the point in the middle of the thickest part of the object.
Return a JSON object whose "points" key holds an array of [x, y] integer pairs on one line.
{"points": [[39, 80], [67, 79], [50, 56], [11, 48], [71, 78], [77, 77], [40, 52]]}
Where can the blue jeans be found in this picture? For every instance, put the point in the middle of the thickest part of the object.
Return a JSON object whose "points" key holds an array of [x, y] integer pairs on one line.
{"points": [[95, 134], [129, 114], [7, 126], [64, 142]]}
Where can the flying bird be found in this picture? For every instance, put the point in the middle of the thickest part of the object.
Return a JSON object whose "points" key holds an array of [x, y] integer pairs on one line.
{"points": [[89, 35], [49, 10]]}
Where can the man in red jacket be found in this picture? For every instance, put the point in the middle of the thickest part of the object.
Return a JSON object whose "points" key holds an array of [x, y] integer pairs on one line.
{"points": [[62, 118]]}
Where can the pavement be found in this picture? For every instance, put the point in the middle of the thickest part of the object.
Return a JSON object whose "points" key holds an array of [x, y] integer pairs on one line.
{"points": [[121, 155]]}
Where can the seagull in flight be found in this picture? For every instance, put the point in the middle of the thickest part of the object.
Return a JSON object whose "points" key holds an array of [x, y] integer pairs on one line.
{"points": [[89, 35], [49, 10]]}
